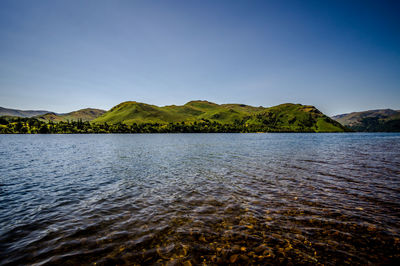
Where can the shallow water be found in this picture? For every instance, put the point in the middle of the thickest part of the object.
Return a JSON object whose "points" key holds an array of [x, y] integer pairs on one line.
{"points": [[194, 198]]}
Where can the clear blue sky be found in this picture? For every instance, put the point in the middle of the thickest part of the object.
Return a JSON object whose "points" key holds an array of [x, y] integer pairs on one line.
{"points": [[340, 56]]}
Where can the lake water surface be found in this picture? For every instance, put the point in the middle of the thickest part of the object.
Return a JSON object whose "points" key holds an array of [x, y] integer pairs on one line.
{"points": [[193, 198]]}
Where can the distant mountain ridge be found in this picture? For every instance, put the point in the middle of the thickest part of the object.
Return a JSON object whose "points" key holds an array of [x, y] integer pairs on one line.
{"points": [[21, 113], [285, 117], [380, 120], [87, 114]]}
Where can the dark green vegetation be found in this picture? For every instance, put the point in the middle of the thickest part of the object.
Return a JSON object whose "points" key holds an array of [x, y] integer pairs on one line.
{"points": [[384, 120], [195, 116], [20, 113]]}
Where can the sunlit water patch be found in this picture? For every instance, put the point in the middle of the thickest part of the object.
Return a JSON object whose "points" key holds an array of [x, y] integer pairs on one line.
{"points": [[200, 198]]}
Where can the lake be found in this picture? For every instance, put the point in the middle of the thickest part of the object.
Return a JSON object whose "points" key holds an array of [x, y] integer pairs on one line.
{"points": [[192, 198]]}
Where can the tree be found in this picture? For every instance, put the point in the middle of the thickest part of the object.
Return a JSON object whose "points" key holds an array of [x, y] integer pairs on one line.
{"points": [[43, 129]]}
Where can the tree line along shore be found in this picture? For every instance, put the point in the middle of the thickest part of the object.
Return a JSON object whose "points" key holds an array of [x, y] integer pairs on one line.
{"points": [[35, 126]]}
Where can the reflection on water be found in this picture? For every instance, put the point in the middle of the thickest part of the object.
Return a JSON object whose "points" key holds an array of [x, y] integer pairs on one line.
{"points": [[193, 198]]}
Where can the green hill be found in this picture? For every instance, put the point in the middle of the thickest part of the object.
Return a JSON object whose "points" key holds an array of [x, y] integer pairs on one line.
{"points": [[87, 114], [382, 120], [285, 117]]}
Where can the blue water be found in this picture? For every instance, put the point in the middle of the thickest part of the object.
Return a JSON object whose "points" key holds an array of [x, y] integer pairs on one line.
{"points": [[194, 198]]}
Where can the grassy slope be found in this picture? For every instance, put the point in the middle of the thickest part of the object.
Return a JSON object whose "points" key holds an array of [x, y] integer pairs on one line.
{"points": [[87, 114], [287, 117]]}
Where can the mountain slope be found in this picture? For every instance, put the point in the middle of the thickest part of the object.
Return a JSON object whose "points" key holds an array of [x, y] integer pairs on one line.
{"points": [[21, 113], [285, 117], [382, 120], [87, 114]]}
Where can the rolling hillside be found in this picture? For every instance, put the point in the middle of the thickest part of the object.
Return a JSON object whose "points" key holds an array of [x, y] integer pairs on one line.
{"points": [[382, 120], [87, 114], [284, 117]]}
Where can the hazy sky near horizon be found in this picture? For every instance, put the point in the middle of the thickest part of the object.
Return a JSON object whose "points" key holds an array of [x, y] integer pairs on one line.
{"points": [[340, 56]]}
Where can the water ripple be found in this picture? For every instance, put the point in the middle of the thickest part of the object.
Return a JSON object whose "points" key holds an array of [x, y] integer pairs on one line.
{"points": [[200, 198]]}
